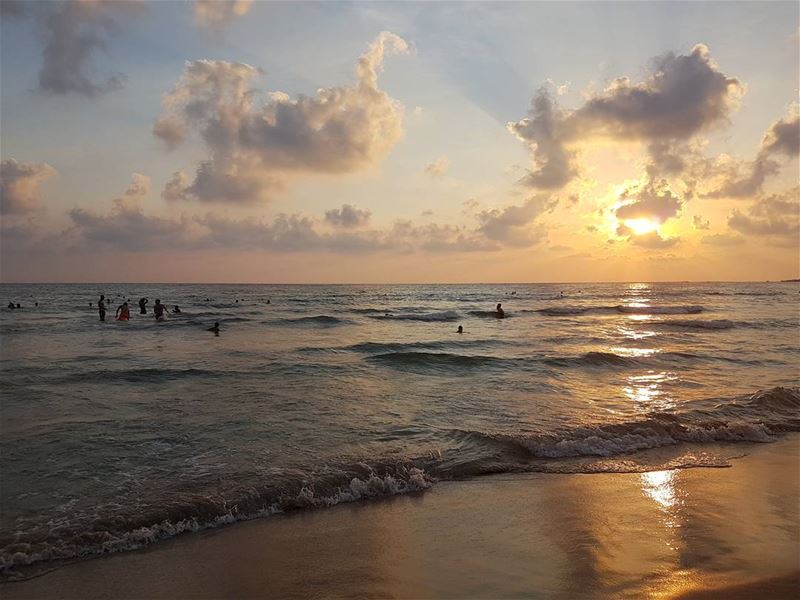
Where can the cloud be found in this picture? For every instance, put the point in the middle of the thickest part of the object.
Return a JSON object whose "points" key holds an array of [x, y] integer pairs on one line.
{"points": [[745, 180], [437, 168], [652, 201], [681, 96], [139, 187], [514, 225], [774, 215], [652, 240], [255, 145], [19, 185], [348, 216], [723, 239], [73, 33], [699, 223], [218, 14]]}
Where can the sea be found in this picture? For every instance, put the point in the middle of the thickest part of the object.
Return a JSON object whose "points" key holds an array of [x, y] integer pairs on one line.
{"points": [[116, 435]]}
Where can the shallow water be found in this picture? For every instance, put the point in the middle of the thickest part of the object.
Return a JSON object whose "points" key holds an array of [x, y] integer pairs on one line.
{"points": [[119, 434]]}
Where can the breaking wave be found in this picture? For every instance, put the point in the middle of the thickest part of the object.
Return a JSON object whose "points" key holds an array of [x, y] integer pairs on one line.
{"points": [[560, 311], [447, 315]]}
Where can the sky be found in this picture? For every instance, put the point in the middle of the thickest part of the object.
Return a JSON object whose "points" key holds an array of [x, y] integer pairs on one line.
{"points": [[244, 141]]}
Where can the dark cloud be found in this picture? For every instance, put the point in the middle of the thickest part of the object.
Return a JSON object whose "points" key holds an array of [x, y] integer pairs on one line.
{"points": [[256, 145], [775, 215], [682, 96], [515, 225], [700, 223], [745, 180], [73, 33], [653, 201], [348, 216], [19, 185]]}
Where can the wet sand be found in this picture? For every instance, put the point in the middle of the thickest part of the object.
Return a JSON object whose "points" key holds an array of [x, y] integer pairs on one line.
{"points": [[692, 534]]}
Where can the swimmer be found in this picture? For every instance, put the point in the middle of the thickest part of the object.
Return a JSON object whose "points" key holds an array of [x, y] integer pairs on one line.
{"points": [[19, 305], [460, 329], [176, 310], [143, 306], [123, 312], [159, 310], [11, 305], [499, 312], [101, 307], [215, 328]]}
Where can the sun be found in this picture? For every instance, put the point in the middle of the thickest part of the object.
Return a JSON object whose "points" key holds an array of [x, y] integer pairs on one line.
{"points": [[641, 226]]}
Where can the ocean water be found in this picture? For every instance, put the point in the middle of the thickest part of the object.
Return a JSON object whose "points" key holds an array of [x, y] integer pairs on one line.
{"points": [[116, 435]]}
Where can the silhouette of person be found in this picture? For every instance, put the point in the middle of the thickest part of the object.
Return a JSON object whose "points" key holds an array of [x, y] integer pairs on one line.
{"points": [[11, 305], [460, 329], [176, 310], [158, 310], [123, 312], [143, 306], [215, 328], [499, 312], [101, 307]]}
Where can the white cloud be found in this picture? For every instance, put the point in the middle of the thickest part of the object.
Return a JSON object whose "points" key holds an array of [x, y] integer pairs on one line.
{"points": [[19, 185], [256, 145]]}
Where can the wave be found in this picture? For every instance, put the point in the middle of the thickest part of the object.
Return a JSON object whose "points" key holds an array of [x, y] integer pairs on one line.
{"points": [[557, 311], [447, 315], [759, 418], [696, 324], [592, 448], [436, 360], [150, 375], [324, 320], [122, 530], [487, 314]]}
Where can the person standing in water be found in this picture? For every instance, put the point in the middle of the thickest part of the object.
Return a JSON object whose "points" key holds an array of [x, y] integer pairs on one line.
{"points": [[101, 307], [215, 328], [159, 310], [143, 306], [499, 312], [460, 329], [123, 312]]}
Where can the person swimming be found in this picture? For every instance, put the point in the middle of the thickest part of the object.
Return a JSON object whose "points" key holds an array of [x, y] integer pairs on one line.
{"points": [[215, 328], [499, 312], [123, 312], [11, 305], [159, 310], [101, 307], [143, 306], [176, 310], [460, 329]]}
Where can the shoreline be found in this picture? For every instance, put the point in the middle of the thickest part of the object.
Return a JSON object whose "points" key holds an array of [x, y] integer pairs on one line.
{"points": [[692, 533]]}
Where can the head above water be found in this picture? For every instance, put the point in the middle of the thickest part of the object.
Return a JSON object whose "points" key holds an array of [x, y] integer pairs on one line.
{"points": [[460, 329], [499, 306]]}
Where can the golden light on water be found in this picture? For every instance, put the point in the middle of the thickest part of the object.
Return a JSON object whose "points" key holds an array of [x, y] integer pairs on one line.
{"points": [[646, 393], [658, 485]]}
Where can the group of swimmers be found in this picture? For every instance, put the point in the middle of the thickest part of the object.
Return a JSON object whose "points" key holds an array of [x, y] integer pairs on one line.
{"points": [[123, 312]]}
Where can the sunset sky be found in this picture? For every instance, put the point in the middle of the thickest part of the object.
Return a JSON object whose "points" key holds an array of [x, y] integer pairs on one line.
{"points": [[399, 142]]}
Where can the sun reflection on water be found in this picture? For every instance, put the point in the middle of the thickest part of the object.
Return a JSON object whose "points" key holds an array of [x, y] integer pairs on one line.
{"points": [[645, 391]]}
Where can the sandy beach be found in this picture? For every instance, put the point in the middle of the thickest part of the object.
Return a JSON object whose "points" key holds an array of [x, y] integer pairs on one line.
{"points": [[694, 533]]}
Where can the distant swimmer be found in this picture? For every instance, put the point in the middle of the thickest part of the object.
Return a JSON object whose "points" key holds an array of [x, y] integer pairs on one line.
{"points": [[123, 312], [143, 306], [176, 310], [19, 305], [460, 329], [158, 310], [101, 307], [36, 304], [499, 312], [11, 305], [215, 328], [268, 302]]}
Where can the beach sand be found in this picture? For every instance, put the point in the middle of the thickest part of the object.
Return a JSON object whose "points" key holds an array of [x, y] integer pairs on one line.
{"points": [[696, 533]]}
